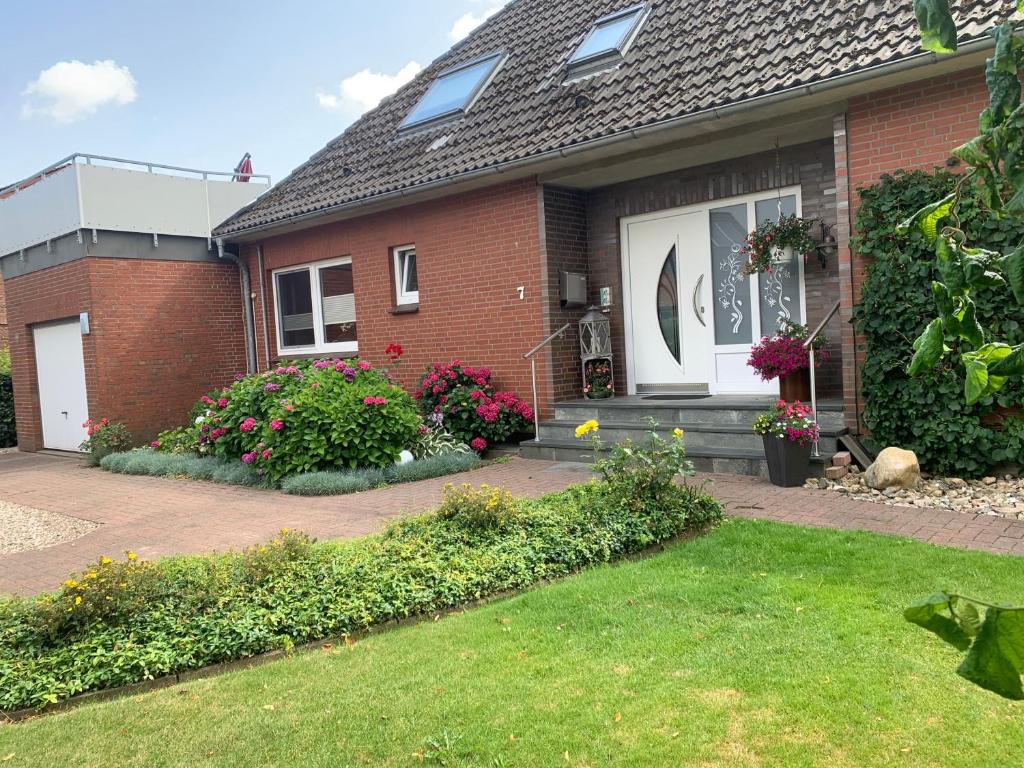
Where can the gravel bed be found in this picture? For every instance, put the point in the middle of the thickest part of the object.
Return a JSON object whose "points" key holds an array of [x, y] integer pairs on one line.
{"points": [[23, 529], [1000, 497]]}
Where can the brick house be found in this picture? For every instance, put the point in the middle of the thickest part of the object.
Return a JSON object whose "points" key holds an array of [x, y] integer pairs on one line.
{"points": [[634, 144], [118, 303]]}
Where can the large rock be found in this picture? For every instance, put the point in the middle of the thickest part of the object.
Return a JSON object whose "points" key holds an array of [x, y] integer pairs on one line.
{"points": [[894, 468]]}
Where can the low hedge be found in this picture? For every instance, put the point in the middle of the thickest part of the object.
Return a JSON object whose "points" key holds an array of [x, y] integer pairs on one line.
{"points": [[145, 461], [8, 431], [127, 621]]}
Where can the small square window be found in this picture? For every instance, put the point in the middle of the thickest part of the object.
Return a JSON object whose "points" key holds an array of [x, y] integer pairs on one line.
{"points": [[407, 286], [607, 42], [452, 93]]}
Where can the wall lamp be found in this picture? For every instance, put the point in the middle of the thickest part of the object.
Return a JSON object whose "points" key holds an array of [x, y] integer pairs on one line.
{"points": [[827, 244]]}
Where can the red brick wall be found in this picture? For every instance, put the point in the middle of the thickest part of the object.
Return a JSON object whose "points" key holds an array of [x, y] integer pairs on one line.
{"points": [[473, 251], [914, 126], [162, 333], [3, 317]]}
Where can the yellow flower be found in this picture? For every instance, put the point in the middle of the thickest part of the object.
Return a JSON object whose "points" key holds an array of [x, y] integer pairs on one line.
{"points": [[105, 560], [78, 600], [678, 433], [131, 556], [70, 583], [586, 428]]}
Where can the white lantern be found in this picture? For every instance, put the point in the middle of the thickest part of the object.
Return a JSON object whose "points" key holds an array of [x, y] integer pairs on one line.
{"points": [[596, 355]]}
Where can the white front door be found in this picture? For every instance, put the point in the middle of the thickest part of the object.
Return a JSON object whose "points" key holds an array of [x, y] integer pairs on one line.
{"points": [[691, 315], [60, 368], [667, 286]]}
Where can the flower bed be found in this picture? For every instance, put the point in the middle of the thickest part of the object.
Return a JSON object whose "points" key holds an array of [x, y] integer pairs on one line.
{"points": [[126, 621], [303, 417], [464, 401]]}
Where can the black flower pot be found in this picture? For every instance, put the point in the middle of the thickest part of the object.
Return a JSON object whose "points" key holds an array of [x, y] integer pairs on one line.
{"points": [[789, 464]]}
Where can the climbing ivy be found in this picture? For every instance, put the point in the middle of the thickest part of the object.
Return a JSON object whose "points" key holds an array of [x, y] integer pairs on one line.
{"points": [[927, 413]]}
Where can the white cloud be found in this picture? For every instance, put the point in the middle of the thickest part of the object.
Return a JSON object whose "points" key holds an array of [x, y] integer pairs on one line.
{"points": [[364, 90], [71, 90], [469, 21]]}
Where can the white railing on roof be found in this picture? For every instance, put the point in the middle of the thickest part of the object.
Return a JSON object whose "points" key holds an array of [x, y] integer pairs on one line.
{"points": [[95, 192]]}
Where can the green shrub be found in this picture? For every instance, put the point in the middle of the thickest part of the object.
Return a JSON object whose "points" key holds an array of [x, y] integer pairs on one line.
{"points": [[180, 440], [462, 400], [333, 483], [8, 429], [104, 438], [309, 416], [927, 414], [189, 612], [5, 361], [435, 442], [478, 508], [435, 466]]}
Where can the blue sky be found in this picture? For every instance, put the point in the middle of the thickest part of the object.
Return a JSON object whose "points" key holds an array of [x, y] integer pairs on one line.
{"points": [[197, 83]]}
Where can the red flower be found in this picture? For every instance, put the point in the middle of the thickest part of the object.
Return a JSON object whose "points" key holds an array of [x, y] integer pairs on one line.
{"points": [[478, 444]]}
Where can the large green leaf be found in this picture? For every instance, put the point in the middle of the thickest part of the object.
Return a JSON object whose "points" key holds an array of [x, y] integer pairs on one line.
{"points": [[928, 349], [938, 30], [1005, 59], [996, 659], [1003, 90], [950, 266], [976, 380], [927, 219], [970, 328], [1010, 365], [927, 613], [1013, 268]]}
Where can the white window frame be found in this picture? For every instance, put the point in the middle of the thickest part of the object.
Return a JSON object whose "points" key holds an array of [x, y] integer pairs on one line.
{"points": [[399, 254], [315, 286]]}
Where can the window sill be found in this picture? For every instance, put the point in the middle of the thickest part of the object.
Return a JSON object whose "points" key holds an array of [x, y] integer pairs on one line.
{"points": [[405, 309]]}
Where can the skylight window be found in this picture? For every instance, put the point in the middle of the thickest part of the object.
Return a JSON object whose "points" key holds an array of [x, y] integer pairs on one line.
{"points": [[607, 41], [453, 92]]}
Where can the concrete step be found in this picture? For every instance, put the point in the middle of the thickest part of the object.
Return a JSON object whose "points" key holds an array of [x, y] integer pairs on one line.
{"points": [[736, 461], [692, 412], [710, 436]]}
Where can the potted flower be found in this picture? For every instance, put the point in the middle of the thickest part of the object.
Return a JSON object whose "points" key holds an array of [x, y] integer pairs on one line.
{"points": [[776, 241], [597, 380], [783, 357], [788, 430]]}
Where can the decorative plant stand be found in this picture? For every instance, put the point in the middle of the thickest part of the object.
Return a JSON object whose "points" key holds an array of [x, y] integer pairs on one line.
{"points": [[596, 355]]}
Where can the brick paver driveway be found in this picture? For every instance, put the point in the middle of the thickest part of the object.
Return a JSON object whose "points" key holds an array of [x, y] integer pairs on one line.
{"points": [[157, 516]]}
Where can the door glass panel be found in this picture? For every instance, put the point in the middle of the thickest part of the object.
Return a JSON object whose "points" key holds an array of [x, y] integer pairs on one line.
{"points": [[778, 291], [295, 309], [338, 303], [729, 229], [668, 304]]}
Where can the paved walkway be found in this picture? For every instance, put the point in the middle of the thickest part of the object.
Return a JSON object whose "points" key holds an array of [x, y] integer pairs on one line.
{"points": [[157, 517]]}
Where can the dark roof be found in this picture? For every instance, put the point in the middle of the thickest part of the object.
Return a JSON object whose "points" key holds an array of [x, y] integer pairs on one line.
{"points": [[689, 56]]}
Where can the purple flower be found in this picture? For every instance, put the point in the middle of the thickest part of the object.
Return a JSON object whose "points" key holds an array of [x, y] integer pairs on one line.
{"points": [[249, 458], [271, 387]]}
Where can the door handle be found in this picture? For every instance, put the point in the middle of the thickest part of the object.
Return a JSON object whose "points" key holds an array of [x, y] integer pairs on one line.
{"points": [[697, 309]]}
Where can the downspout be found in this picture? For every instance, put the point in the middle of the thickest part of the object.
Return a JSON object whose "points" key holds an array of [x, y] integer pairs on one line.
{"points": [[247, 308], [263, 304]]}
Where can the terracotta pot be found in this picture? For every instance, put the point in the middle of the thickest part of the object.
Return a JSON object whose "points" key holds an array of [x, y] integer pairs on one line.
{"points": [[788, 463], [796, 386]]}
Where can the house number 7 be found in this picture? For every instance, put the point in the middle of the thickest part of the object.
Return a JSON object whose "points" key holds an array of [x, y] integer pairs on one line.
{"points": [[522, 292]]}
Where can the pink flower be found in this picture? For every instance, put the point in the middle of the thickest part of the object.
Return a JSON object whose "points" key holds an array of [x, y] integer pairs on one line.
{"points": [[277, 425], [266, 454], [248, 425], [364, 366], [218, 433], [478, 444], [249, 458], [222, 403], [155, 444], [424, 429], [289, 407], [371, 400], [206, 400]]}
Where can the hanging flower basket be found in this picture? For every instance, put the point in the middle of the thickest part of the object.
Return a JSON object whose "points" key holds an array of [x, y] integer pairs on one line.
{"points": [[775, 242]]}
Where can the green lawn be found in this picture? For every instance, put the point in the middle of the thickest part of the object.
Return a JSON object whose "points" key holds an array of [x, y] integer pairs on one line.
{"points": [[757, 645]]}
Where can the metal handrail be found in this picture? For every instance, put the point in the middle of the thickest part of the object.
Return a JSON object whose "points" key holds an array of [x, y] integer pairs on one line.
{"points": [[821, 326], [71, 159], [533, 374], [809, 345]]}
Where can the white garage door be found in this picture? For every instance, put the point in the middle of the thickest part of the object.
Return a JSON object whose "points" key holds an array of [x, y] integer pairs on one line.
{"points": [[60, 366]]}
